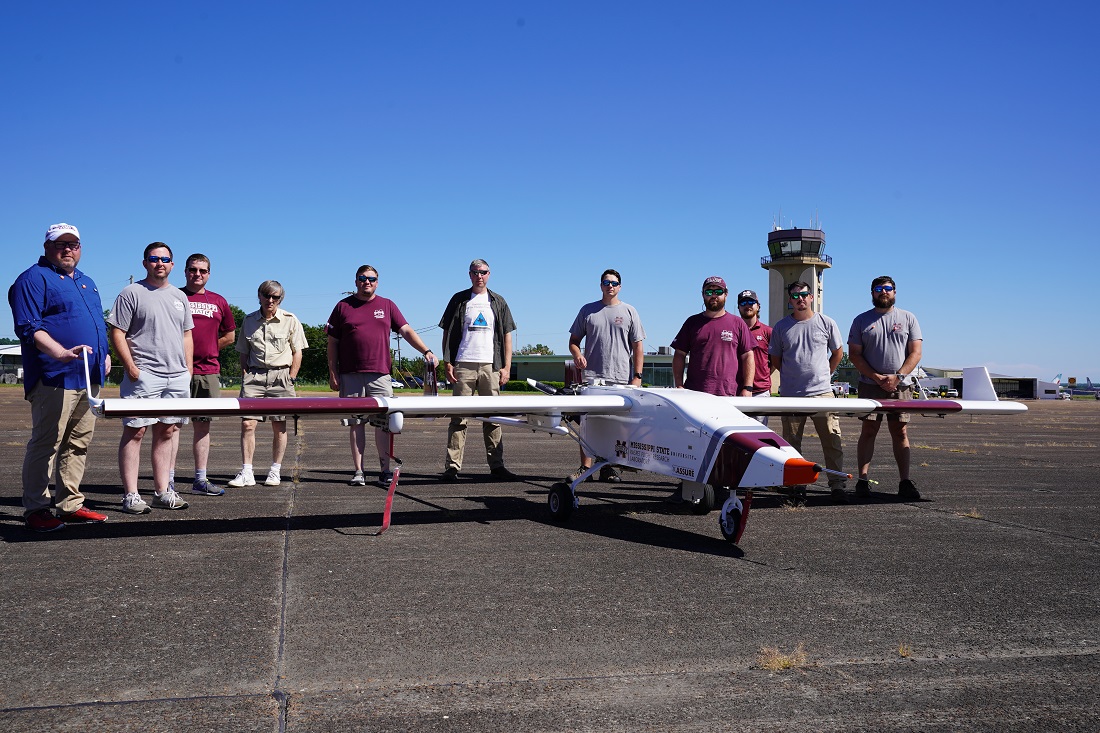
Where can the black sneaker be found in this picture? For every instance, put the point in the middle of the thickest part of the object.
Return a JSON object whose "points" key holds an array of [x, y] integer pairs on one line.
{"points": [[838, 494], [610, 475], [449, 476], [500, 473], [863, 489], [907, 490]]}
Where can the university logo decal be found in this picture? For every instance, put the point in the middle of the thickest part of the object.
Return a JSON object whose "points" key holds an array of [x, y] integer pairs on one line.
{"points": [[620, 449]]}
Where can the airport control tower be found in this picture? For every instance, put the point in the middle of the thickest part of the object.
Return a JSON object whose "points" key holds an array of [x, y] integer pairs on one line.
{"points": [[794, 254]]}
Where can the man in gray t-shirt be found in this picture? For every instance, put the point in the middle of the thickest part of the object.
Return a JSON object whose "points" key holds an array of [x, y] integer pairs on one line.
{"points": [[612, 333], [885, 346], [805, 349], [151, 333]]}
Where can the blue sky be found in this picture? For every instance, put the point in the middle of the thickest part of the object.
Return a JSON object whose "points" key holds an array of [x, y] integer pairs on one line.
{"points": [[950, 145]]}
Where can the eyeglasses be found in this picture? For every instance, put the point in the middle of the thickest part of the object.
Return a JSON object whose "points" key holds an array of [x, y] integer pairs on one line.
{"points": [[483, 273], [270, 296], [803, 294], [609, 283], [62, 246], [366, 279], [195, 270], [711, 293], [153, 259], [883, 288], [743, 303]]}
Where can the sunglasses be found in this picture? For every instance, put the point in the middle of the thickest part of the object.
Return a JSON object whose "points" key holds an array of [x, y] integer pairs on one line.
{"points": [[803, 294], [743, 303], [366, 279], [711, 293], [479, 272], [195, 270], [883, 288], [609, 283], [153, 259], [271, 296], [62, 246]]}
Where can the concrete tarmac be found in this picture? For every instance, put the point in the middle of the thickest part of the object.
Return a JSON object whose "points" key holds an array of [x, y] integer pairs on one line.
{"points": [[280, 609]]}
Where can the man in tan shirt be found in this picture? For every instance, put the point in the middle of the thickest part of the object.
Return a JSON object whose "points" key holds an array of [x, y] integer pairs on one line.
{"points": [[270, 347]]}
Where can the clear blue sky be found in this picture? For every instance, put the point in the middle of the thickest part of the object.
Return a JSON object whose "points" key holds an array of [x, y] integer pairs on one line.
{"points": [[953, 146]]}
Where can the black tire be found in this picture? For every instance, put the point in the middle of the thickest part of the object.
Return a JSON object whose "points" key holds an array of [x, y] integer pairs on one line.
{"points": [[706, 504], [560, 502], [730, 536]]}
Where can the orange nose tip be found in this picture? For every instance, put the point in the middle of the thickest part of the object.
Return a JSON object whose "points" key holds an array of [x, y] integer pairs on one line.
{"points": [[799, 471]]}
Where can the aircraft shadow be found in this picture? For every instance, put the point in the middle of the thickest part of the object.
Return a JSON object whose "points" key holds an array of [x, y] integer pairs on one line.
{"points": [[609, 519]]}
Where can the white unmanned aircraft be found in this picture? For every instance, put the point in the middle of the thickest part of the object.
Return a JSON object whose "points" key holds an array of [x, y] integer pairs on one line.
{"points": [[705, 441]]}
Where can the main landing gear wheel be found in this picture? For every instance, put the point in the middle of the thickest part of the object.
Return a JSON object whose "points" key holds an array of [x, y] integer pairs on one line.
{"points": [[705, 503], [560, 501]]}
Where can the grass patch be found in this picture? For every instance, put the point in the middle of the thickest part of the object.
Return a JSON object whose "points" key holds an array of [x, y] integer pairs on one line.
{"points": [[774, 660]]}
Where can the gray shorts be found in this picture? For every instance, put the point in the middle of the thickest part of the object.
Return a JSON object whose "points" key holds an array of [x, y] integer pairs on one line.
{"points": [[205, 385], [257, 383], [154, 385], [366, 384], [871, 391]]}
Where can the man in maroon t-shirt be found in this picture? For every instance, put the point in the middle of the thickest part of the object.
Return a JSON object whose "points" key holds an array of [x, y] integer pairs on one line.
{"points": [[748, 306], [720, 346], [215, 327], [721, 350], [359, 360]]}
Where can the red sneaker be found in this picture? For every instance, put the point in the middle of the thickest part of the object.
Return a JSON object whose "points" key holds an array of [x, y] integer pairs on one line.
{"points": [[83, 515], [43, 520]]}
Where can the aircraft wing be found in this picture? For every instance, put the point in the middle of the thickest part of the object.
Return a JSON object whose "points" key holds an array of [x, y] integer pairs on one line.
{"points": [[981, 399], [412, 406]]}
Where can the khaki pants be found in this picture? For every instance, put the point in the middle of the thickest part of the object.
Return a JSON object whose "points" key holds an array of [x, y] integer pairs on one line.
{"points": [[62, 427], [482, 379], [828, 429]]}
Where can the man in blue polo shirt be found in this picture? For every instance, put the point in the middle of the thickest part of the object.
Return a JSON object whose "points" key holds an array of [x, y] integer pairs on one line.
{"points": [[58, 318]]}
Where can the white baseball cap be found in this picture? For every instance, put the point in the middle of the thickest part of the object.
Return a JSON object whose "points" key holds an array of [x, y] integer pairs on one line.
{"points": [[57, 230]]}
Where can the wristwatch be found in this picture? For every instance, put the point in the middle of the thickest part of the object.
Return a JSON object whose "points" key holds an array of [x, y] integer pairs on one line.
{"points": [[637, 375]]}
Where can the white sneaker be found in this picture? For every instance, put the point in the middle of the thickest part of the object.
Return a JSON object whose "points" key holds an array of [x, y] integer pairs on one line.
{"points": [[169, 500], [272, 479], [134, 504], [242, 479], [358, 479]]}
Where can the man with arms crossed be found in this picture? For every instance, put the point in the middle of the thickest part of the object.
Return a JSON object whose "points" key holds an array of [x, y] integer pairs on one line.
{"points": [[152, 336], [612, 333], [359, 360], [884, 344], [477, 352], [806, 348], [214, 329], [58, 318]]}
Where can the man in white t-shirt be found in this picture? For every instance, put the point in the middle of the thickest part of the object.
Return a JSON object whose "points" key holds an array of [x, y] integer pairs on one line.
{"points": [[477, 353]]}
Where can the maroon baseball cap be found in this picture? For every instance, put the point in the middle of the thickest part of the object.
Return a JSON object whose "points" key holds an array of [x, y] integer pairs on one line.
{"points": [[715, 281]]}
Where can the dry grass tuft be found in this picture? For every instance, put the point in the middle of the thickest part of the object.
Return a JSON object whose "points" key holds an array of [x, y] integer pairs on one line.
{"points": [[774, 660], [972, 514], [904, 650]]}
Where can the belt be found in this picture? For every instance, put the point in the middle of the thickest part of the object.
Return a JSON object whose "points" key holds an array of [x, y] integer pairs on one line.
{"points": [[261, 370]]}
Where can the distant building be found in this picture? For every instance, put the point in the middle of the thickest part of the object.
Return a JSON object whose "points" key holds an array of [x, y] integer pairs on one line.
{"points": [[11, 364], [656, 368]]}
